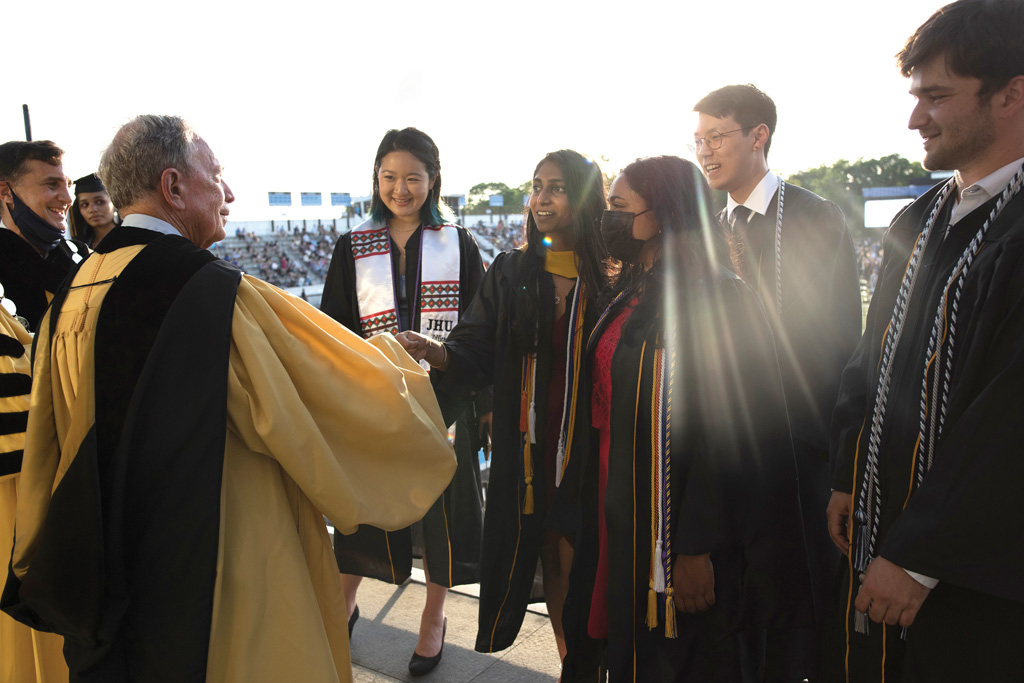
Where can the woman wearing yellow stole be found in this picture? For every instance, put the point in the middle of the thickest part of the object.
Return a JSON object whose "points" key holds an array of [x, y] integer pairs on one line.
{"points": [[526, 332]]}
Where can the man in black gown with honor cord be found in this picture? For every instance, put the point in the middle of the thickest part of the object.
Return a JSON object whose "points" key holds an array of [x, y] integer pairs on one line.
{"points": [[794, 249], [927, 433]]}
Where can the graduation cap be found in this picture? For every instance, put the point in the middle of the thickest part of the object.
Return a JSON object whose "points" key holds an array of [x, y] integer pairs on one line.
{"points": [[89, 183]]}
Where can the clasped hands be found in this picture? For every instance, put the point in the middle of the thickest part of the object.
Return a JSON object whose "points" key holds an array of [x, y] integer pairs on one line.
{"points": [[421, 347], [887, 593]]}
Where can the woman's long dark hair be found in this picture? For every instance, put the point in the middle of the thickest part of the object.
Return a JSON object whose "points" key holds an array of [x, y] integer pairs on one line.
{"points": [[693, 242], [417, 143], [584, 185]]}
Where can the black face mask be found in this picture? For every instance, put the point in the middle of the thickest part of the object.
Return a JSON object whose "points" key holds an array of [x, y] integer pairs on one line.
{"points": [[617, 231], [35, 229]]}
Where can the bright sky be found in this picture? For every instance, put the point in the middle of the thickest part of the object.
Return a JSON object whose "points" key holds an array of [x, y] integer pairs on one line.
{"points": [[295, 96]]}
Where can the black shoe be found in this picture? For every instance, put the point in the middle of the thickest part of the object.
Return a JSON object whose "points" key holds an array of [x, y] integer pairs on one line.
{"points": [[420, 665], [352, 621]]}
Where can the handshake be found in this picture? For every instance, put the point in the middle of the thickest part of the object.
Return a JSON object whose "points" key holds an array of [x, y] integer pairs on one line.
{"points": [[421, 347]]}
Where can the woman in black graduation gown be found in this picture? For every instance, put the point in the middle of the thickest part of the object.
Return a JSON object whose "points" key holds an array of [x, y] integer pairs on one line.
{"points": [[408, 267], [92, 213], [683, 476], [525, 333]]}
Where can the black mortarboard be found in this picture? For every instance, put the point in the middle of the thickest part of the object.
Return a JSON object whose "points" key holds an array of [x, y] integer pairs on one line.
{"points": [[89, 183]]}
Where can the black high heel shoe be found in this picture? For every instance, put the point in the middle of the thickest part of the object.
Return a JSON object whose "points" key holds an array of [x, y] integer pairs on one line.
{"points": [[352, 621], [419, 664]]}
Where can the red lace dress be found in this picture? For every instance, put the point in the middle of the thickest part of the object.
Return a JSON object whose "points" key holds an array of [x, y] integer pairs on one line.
{"points": [[553, 417], [600, 408]]}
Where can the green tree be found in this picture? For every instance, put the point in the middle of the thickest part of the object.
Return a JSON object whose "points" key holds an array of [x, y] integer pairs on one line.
{"points": [[843, 181], [479, 197]]}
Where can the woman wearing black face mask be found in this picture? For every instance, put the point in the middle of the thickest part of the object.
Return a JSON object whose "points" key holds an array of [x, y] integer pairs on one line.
{"points": [[526, 332], [683, 469]]}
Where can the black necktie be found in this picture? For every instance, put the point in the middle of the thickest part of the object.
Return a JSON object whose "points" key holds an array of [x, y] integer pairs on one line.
{"points": [[740, 217]]}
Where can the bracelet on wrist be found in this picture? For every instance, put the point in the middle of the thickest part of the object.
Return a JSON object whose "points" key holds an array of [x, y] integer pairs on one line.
{"points": [[444, 358]]}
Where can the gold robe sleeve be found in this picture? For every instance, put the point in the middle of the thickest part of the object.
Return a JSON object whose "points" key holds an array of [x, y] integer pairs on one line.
{"points": [[353, 422]]}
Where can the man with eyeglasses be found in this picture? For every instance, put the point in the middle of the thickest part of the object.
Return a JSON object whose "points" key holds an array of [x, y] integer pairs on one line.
{"points": [[793, 247], [34, 199]]}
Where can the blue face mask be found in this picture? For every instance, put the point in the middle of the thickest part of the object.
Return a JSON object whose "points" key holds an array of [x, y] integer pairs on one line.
{"points": [[34, 228]]}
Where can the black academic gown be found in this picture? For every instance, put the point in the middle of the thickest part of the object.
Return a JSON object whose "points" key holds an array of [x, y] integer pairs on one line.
{"points": [[30, 280], [963, 524], [815, 336], [453, 526], [483, 350], [733, 492]]}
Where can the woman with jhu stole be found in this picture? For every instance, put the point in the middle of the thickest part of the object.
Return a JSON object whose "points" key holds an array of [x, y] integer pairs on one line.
{"points": [[682, 472], [409, 268], [525, 332]]}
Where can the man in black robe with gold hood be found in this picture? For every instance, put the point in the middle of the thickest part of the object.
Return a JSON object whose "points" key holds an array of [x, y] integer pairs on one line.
{"points": [[928, 432]]}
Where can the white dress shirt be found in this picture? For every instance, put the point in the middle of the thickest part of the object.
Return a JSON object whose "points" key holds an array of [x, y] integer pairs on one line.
{"points": [[760, 197], [141, 220], [971, 197]]}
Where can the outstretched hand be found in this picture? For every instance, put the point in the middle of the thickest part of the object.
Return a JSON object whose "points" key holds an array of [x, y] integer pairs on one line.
{"points": [[414, 343]]}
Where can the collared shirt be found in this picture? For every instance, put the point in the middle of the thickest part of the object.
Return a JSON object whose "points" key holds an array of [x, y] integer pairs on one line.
{"points": [[971, 197], [760, 197], [141, 220]]}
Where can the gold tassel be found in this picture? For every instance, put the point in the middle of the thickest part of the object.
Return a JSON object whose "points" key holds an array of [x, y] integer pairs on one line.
{"points": [[528, 476], [524, 412], [670, 615], [652, 609]]}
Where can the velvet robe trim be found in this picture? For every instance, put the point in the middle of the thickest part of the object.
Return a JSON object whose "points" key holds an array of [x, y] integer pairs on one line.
{"points": [[117, 512]]}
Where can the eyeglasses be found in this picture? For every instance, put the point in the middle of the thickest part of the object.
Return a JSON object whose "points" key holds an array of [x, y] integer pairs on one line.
{"points": [[713, 141]]}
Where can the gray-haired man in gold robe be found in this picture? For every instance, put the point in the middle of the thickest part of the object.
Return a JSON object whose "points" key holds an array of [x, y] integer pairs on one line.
{"points": [[189, 427]]}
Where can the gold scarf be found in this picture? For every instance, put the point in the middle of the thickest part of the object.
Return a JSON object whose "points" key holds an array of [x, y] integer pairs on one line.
{"points": [[561, 263]]}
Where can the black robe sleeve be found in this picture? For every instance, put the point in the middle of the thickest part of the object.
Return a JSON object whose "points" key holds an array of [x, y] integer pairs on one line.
{"points": [[821, 312], [472, 345], [741, 485], [963, 525], [473, 275], [339, 296], [854, 400]]}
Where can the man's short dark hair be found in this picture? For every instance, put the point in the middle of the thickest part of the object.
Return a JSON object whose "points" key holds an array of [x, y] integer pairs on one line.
{"points": [[14, 154], [745, 103], [980, 38]]}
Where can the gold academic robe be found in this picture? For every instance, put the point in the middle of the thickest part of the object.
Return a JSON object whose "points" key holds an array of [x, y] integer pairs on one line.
{"points": [[26, 655], [319, 422]]}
